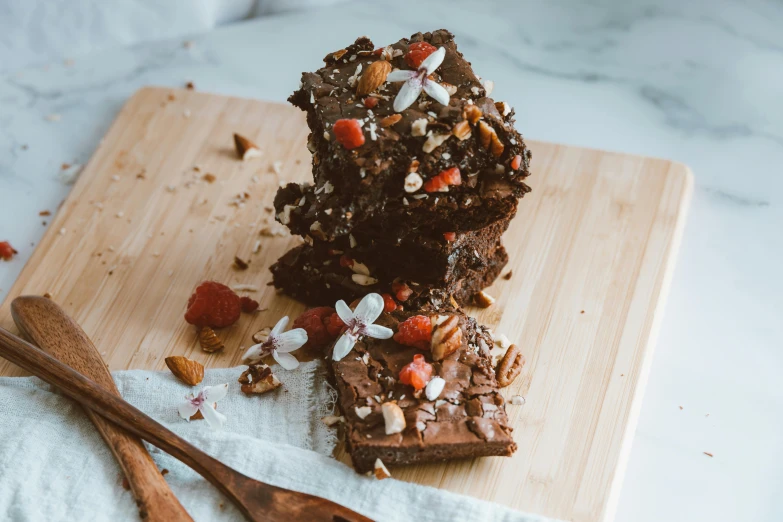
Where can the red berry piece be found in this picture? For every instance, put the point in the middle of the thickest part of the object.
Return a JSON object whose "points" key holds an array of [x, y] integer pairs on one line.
{"points": [[418, 52], [417, 373], [401, 290], [349, 133], [214, 305], [315, 321], [7, 252], [345, 261], [449, 236], [443, 180], [388, 303], [516, 162], [451, 176], [415, 331], [248, 305], [335, 326], [370, 102]]}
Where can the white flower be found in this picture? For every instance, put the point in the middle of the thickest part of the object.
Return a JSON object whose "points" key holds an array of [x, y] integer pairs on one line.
{"points": [[359, 323], [278, 344], [416, 81], [203, 402]]}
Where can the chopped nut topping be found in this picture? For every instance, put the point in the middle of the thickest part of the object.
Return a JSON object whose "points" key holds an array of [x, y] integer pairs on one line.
{"points": [[380, 470], [393, 417], [413, 182], [419, 127]]}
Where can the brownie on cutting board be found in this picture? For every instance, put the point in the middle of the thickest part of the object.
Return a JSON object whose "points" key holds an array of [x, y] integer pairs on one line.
{"points": [[359, 184], [466, 419]]}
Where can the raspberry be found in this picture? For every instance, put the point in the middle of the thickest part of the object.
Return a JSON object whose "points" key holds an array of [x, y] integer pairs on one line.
{"points": [[7, 251], [418, 52], [315, 321], [516, 162], [443, 180], [248, 305], [415, 331], [214, 305], [349, 133], [335, 325], [388, 303], [416, 373], [370, 102], [401, 290], [449, 236]]}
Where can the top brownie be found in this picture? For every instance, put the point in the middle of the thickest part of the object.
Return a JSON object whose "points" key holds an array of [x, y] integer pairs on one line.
{"points": [[448, 159]]}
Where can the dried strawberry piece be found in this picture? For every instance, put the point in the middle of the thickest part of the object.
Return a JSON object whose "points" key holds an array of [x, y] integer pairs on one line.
{"points": [[213, 304], [345, 261], [401, 290], [418, 52], [248, 305], [7, 252], [516, 162], [451, 176], [449, 236], [444, 179], [370, 102], [415, 331], [335, 326], [349, 133], [388, 303], [417, 373], [315, 321]]}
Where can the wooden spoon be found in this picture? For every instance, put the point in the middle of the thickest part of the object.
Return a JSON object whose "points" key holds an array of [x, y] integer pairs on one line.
{"points": [[47, 325], [256, 500]]}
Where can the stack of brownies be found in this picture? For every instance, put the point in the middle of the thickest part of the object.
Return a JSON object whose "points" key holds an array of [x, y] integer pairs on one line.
{"points": [[417, 174]]}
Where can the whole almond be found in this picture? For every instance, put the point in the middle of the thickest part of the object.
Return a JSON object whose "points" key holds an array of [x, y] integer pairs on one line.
{"points": [[461, 130], [473, 114], [446, 338], [390, 120], [373, 77], [188, 371]]}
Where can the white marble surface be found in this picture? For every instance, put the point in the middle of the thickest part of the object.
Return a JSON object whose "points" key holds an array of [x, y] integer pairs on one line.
{"points": [[700, 82]]}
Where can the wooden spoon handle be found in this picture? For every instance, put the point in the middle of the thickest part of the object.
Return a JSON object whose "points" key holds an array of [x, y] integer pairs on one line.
{"points": [[114, 408], [48, 326]]}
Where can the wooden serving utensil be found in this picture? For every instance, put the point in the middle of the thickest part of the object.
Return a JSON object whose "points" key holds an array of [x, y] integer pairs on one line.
{"points": [[48, 326], [256, 500]]}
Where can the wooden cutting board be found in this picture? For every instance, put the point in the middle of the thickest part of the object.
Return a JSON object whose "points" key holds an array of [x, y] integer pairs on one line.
{"points": [[592, 252]]}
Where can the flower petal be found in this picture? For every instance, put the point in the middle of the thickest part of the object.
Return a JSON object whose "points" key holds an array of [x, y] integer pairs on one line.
{"points": [[286, 360], [279, 327], [215, 393], [254, 353], [408, 94], [377, 331], [214, 418], [369, 308], [291, 340], [400, 75], [344, 311], [436, 92], [187, 409], [343, 346], [433, 61]]}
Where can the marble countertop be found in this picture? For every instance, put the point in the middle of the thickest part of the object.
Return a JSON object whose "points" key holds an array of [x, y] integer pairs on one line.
{"points": [[700, 82]]}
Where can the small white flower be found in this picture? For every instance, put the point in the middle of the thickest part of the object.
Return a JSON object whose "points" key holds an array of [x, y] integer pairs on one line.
{"points": [[204, 402], [417, 81], [359, 323], [278, 344]]}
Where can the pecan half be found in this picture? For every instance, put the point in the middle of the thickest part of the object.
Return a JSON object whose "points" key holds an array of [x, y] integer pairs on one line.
{"points": [[510, 367], [446, 336], [258, 378]]}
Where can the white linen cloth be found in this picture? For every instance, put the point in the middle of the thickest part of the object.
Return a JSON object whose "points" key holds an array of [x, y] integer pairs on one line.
{"points": [[55, 467]]}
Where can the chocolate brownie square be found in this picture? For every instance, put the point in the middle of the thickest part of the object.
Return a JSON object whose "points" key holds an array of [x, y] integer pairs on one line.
{"points": [[461, 416], [312, 274], [448, 160]]}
